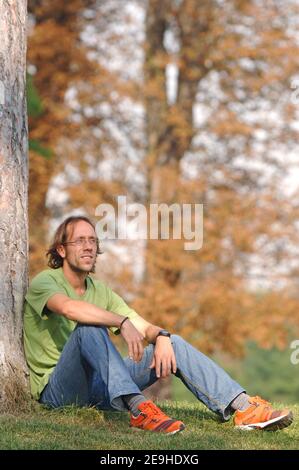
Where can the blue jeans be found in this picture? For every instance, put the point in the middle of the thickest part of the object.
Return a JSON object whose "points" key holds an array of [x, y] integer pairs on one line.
{"points": [[91, 372]]}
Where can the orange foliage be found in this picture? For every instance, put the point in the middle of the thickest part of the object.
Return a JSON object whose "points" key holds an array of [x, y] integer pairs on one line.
{"points": [[203, 295], [60, 59]]}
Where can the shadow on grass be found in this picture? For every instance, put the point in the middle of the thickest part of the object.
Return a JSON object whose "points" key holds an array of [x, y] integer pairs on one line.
{"points": [[176, 410], [191, 412]]}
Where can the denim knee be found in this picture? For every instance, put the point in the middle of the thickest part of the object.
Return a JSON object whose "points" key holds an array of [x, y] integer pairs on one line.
{"points": [[177, 340], [90, 329], [85, 331]]}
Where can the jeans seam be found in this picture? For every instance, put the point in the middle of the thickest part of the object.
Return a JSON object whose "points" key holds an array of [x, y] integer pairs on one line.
{"points": [[201, 391], [122, 393]]}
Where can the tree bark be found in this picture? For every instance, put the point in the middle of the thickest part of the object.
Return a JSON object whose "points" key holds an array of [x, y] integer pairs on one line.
{"points": [[13, 199], [169, 132]]}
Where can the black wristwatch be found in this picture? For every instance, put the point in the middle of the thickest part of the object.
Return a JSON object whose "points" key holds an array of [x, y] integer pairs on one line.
{"points": [[164, 333]]}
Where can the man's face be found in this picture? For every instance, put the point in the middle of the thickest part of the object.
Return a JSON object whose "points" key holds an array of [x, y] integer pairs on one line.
{"points": [[80, 255]]}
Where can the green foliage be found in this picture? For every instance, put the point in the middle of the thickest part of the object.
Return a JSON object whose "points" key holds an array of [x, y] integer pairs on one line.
{"points": [[34, 103], [268, 373], [36, 146], [35, 110]]}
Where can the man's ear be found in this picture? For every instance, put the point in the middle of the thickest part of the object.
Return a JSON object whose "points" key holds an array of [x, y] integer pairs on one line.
{"points": [[61, 251]]}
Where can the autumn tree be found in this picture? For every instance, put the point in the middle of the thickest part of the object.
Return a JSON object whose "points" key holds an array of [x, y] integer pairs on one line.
{"points": [[13, 201], [57, 60], [219, 140], [74, 128], [204, 117]]}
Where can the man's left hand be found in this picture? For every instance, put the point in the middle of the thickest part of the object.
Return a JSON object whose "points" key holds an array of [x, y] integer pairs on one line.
{"points": [[164, 358]]}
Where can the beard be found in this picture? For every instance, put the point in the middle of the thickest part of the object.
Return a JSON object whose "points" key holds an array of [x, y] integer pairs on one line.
{"points": [[81, 270]]}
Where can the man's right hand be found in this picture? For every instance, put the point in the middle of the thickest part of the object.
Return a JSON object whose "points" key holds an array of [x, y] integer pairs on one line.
{"points": [[133, 339]]}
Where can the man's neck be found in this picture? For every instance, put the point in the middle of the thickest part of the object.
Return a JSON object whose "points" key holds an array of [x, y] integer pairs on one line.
{"points": [[75, 278]]}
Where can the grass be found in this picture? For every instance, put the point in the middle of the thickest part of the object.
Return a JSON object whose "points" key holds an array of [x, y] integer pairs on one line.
{"points": [[87, 428]]}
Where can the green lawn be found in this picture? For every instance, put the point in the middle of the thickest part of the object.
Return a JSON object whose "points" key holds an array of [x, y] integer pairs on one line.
{"points": [[75, 428]]}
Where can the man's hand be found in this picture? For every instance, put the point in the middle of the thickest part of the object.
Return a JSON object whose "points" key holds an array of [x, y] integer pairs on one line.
{"points": [[164, 358], [133, 339]]}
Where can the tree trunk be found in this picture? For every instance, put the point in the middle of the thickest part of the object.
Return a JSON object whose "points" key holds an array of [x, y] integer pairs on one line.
{"points": [[13, 199], [169, 132]]}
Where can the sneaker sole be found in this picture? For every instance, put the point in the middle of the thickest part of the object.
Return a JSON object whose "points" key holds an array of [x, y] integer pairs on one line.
{"points": [[182, 427], [272, 425]]}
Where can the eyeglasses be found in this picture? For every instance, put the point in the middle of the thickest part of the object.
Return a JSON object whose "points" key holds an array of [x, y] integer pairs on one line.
{"points": [[82, 240]]}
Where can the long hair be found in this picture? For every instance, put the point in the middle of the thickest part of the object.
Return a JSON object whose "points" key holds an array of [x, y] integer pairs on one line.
{"points": [[55, 261]]}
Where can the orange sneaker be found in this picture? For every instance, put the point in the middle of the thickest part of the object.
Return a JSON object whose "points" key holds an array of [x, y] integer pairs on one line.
{"points": [[261, 415], [151, 418]]}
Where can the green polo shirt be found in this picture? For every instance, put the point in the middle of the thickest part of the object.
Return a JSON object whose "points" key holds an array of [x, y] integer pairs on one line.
{"points": [[45, 332]]}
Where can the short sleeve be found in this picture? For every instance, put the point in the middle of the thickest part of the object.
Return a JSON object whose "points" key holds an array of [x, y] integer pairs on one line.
{"points": [[42, 287], [117, 305]]}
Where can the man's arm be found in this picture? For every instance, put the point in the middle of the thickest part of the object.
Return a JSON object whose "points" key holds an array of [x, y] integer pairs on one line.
{"points": [[87, 313], [133, 331], [148, 330], [82, 312]]}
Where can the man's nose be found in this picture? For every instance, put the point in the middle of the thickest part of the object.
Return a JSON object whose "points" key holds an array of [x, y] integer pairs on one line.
{"points": [[88, 245]]}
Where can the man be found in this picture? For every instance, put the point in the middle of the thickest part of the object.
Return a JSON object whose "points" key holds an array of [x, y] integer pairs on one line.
{"points": [[73, 361]]}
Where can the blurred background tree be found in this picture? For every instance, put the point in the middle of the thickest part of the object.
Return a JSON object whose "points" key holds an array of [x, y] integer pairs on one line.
{"points": [[177, 101], [265, 372]]}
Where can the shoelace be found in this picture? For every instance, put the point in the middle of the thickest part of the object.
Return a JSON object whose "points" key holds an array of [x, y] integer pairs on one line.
{"points": [[154, 409], [259, 401]]}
